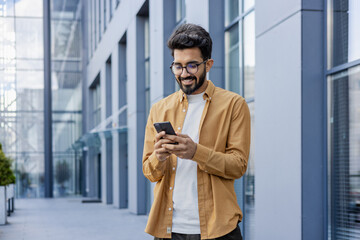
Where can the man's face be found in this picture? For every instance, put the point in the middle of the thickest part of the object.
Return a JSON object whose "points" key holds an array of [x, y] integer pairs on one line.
{"points": [[191, 83]]}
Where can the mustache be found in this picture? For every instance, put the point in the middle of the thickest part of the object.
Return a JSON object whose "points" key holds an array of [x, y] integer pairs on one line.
{"points": [[187, 78]]}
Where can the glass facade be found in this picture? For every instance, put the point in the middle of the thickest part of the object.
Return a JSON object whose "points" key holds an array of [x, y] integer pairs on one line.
{"points": [[66, 96], [240, 78], [343, 119], [22, 92]]}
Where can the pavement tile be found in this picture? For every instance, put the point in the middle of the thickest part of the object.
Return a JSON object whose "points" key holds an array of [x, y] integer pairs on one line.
{"points": [[68, 218]]}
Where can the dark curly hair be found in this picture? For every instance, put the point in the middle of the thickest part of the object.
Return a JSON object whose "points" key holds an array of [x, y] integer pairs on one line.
{"points": [[190, 35]]}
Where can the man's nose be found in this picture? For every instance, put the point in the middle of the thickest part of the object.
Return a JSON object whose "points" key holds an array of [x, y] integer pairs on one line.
{"points": [[184, 73]]}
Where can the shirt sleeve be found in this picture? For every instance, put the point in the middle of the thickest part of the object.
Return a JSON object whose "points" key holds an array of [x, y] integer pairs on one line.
{"points": [[153, 168], [232, 163]]}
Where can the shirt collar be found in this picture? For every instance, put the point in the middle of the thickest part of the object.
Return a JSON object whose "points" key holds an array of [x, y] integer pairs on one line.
{"points": [[209, 92]]}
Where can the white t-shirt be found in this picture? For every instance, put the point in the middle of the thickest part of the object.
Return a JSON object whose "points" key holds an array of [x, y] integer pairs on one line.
{"points": [[185, 194]]}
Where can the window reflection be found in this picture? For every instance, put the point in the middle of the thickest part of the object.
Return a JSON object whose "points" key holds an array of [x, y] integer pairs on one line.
{"points": [[248, 4], [344, 154], [232, 72], [180, 10], [231, 10], [29, 38], [66, 96], [343, 31], [240, 78], [25, 8], [250, 181], [249, 55]]}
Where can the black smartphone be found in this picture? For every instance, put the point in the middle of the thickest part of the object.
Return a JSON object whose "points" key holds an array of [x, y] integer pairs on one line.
{"points": [[165, 126]]}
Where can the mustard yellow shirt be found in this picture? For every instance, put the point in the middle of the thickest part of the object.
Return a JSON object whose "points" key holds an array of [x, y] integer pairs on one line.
{"points": [[222, 155]]}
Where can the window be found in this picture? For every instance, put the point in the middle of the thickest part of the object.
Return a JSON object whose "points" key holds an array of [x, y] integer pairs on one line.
{"points": [[96, 102], [344, 153], [147, 66], [99, 17], [343, 91], [111, 8], [180, 11], [105, 15], [108, 89], [95, 24], [343, 31], [240, 78]]}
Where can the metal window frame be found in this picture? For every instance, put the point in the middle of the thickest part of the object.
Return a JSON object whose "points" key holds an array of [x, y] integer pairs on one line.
{"points": [[328, 72]]}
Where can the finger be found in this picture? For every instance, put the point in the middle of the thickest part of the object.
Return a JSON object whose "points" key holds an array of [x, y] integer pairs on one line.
{"points": [[175, 138], [174, 147], [162, 151], [182, 135], [161, 142], [159, 136]]}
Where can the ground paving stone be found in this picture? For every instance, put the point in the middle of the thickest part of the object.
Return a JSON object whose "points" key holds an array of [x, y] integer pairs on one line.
{"points": [[67, 219]]}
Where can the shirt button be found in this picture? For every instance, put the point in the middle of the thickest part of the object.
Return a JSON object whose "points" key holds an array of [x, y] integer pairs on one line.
{"points": [[169, 208], [173, 169], [170, 188], [179, 128], [184, 110]]}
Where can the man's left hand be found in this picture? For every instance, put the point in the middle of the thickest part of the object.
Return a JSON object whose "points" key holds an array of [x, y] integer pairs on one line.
{"points": [[185, 148]]}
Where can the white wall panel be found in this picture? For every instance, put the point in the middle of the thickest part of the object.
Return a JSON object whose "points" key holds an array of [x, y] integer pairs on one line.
{"points": [[278, 131]]}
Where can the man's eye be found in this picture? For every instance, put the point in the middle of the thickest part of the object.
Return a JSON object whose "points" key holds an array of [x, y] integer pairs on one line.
{"points": [[191, 65], [177, 67]]}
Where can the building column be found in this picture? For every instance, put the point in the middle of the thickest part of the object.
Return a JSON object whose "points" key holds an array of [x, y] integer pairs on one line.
{"points": [[290, 108], [278, 120], [115, 135], [136, 117]]}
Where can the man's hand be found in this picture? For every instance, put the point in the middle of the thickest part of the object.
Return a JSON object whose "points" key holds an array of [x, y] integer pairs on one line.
{"points": [[185, 148], [161, 153]]}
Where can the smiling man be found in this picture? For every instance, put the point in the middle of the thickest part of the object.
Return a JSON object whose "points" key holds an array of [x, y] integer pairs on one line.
{"points": [[194, 196]]}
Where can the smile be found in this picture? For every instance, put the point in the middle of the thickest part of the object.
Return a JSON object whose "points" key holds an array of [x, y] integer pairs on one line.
{"points": [[187, 81]]}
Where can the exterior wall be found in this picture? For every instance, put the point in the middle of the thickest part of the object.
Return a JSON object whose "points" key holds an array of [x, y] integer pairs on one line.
{"points": [[278, 123], [289, 130]]}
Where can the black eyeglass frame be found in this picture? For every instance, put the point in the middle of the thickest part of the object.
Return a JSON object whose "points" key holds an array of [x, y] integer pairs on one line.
{"points": [[182, 68]]}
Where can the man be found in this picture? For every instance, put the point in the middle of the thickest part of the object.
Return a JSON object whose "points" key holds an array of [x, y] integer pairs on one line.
{"points": [[194, 196]]}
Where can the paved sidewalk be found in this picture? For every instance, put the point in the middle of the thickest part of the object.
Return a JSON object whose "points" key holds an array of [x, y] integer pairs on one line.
{"points": [[55, 219]]}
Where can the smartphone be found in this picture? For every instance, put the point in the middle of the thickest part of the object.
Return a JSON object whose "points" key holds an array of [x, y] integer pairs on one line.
{"points": [[165, 126]]}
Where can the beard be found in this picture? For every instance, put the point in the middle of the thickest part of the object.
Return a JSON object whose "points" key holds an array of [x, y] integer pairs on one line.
{"points": [[189, 89]]}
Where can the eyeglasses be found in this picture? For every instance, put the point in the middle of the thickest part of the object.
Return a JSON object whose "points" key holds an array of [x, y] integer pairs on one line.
{"points": [[191, 68]]}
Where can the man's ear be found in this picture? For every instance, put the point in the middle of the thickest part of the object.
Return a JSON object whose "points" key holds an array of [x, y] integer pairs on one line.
{"points": [[209, 64]]}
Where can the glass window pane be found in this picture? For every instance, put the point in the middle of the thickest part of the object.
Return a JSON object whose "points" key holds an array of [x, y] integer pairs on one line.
{"points": [[66, 39], [180, 10], [344, 154], [232, 70], [231, 11], [29, 38], [249, 55], [25, 8], [248, 4], [29, 80], [344, 31], [250, 182], [7, 38], [7, 8]]}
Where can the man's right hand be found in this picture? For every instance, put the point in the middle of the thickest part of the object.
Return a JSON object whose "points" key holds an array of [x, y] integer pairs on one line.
{"points": [[161, 153]]}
